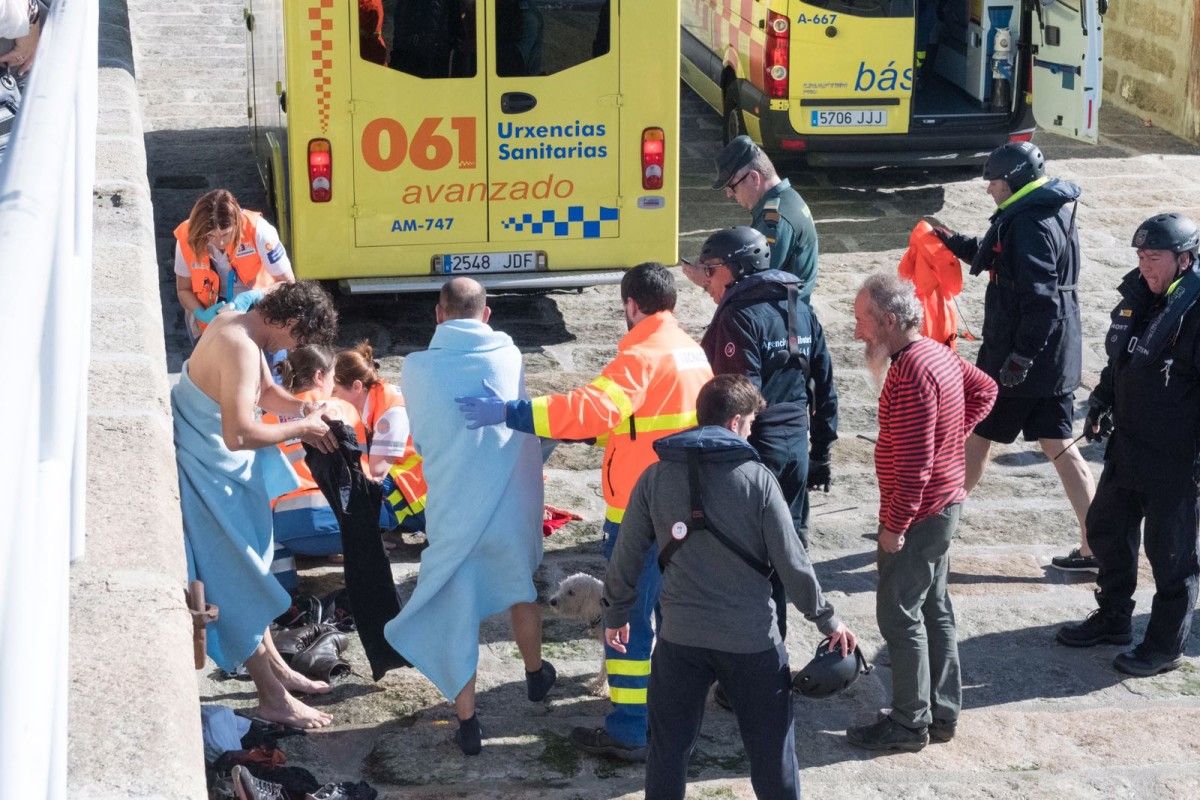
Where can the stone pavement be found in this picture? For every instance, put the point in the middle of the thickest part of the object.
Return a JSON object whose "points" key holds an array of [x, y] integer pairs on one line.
{"points": [[1039, 720]]}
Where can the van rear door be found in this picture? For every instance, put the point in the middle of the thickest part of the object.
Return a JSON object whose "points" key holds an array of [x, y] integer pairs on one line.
{"points": [[1068, 49], [553, 120], [850, 66], [419, 90]]}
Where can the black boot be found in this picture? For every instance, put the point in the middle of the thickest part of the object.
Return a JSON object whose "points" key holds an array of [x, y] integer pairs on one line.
{"points": [[1142, 663], [539, 683], [1101, 627]]}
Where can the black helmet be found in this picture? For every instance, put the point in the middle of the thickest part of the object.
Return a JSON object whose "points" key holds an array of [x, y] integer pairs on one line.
{"points": [[829, 672], [1173, 232], [743, 249], [1016, 163]]}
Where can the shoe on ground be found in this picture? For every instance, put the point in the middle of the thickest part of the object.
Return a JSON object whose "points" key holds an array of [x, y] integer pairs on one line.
{"points": [[597, 742], [887, 734], [469, 736], [1141, 664], [344, 791], [248, 787], [942, 730], [538, 684], [1075, 561], [1100, 627]]}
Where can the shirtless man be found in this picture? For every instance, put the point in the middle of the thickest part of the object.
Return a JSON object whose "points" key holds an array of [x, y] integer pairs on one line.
{"points": [[229, 368]]}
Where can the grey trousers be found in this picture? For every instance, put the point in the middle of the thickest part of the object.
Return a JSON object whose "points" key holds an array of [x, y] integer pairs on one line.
{"points": [[916, 619]]}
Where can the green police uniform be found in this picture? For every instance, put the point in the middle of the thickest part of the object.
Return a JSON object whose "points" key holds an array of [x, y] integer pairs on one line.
{"points": [[783, 217]]}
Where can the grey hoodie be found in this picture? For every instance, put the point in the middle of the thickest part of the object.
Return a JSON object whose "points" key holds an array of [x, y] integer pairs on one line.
{"points": [[711, 598]]}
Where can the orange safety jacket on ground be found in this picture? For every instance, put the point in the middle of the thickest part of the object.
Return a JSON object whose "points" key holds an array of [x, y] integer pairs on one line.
{"points": [[244, 259], [937, 276], [309, 495], [647, 392], [408, 472]]}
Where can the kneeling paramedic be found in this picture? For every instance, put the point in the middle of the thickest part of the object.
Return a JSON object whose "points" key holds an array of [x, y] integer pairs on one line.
{"points": [[1148, 397], [647, 392], [724, 536], [761, 329]]}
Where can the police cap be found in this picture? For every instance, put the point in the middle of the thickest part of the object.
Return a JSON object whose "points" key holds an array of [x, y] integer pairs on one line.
{"points": [[741, 248], [740, 151], [1172, 231], [1016, 163]]}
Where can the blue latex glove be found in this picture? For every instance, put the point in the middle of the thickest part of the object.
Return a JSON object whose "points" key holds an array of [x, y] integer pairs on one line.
{"points": [[480, 411], [207, 315], [247, 300]]}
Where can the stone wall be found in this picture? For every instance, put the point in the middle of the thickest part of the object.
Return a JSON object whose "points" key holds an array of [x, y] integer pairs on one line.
{"points": [[1152, 62]]}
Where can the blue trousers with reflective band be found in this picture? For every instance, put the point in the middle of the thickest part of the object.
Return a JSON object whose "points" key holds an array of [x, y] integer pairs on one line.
{"points": [[629, 672]]}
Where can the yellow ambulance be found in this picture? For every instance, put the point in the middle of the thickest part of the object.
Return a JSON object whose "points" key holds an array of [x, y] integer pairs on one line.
{"points": [[895, 82], [528, 143]]}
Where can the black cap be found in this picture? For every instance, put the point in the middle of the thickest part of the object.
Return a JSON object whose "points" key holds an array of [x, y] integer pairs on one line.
{"points": [[1173, 232], [734, 156]]}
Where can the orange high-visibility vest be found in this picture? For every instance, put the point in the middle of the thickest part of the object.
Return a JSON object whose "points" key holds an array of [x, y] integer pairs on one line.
{"points": [[381, 397], [937, 276], [244, 259], [407, 471], [309, 495], [647, 392]]}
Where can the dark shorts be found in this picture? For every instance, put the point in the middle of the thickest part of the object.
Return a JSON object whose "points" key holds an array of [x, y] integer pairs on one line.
{"points": [[1035, 417]]}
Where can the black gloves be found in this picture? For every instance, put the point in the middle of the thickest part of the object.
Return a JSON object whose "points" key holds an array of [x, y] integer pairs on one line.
{"points": [[818, 474], [1014, 371], [944, 234], [1098, 423]]}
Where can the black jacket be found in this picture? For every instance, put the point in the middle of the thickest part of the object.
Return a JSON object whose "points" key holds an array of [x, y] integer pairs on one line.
{"points": [[1031, 306], [748, 336], [1156, 407]]}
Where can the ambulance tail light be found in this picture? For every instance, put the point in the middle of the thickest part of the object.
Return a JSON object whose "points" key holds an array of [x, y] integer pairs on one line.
{"points": [[775, 60], [653, 154], [793, 144], [320, 171]]}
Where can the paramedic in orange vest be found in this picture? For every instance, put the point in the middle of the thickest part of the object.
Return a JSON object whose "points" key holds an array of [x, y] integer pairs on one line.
{"points": [[936, 275], [390, 453], [647, 392], [304, 522], [222, 251]]}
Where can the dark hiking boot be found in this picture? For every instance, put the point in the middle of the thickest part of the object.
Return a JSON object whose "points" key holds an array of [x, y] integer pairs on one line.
{"points": [[887, 734], [1075, 561], [597, 742], [538, 684], [469, 736], [942, 730], [248, 787], [1142, 664], [1100, 627]]}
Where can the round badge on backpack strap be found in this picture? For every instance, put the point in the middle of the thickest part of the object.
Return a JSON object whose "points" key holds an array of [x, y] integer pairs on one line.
{"points": [[679, 531]]}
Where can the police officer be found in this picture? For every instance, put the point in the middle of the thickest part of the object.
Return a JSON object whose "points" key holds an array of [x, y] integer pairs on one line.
{"points": [[747, 175], [1032, 344], [1149, 399], [763, 331]]}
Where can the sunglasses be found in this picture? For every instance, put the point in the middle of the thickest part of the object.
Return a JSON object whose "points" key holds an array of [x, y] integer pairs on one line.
{"points": [[733, 186]]}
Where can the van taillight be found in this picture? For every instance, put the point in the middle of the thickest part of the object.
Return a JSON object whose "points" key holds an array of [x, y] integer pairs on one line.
{"points": [[320, 171], [775, 64], [653, 153]]}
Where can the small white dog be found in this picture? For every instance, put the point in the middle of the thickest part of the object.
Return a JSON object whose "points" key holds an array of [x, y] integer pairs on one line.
{"points": [[578, 597]]}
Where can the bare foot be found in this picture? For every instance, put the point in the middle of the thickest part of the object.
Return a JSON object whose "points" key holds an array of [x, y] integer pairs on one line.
{"points": [[295, 682], [289, 711]]}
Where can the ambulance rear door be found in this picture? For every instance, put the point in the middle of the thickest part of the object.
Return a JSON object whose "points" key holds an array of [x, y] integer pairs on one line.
{"points": [[1068, 48], [419, 91], [850, 65], [553, 128]]}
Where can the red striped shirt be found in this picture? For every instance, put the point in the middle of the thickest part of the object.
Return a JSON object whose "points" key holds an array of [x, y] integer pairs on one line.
{"points": [[931, 400]]}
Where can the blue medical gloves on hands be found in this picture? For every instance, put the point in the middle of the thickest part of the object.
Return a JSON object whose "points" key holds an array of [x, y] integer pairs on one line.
{"points": [[248, 300], [1014, 371], [207, 315], [480, 411]]}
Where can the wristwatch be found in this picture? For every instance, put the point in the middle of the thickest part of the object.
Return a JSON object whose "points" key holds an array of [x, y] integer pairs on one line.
{"points": [[35, 12]]}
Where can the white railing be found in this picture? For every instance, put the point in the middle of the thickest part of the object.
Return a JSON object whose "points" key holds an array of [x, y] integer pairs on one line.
{"points": [[45, 317]]}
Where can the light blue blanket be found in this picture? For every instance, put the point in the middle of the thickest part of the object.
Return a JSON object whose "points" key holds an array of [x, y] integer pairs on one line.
{"points": [[226, 500], [484, 511]]}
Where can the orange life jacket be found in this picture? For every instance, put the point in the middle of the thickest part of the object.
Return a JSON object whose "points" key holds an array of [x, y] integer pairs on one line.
{"points": [[647, 392], [309, 495], [937, 276], [244, 260]]}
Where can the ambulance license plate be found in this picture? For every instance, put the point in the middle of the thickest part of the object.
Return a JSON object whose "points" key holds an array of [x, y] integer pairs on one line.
{"points": [[850, 118], [520, 261]]}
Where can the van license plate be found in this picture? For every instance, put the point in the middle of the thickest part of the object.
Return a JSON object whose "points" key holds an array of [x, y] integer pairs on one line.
{"points": [[459, 263], [854, 118]]}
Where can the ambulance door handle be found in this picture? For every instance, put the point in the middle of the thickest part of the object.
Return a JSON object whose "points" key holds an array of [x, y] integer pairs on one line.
{"points": [[517, 102]]}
